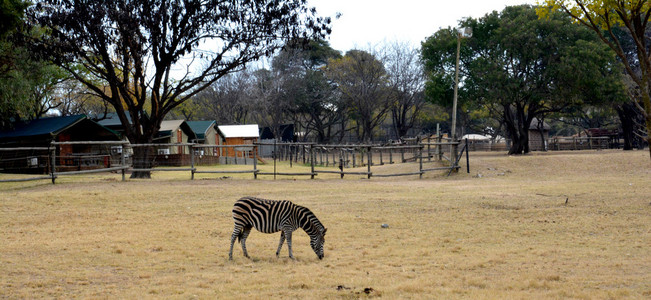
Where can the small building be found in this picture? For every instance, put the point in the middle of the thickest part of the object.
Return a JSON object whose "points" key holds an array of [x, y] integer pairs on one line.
{"points": [[286, 133], [538, 142], [206, 132], [238, 135], [43, 131], [174, 132]]}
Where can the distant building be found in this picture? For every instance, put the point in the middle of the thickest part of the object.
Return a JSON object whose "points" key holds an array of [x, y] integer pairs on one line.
{"points": [[174, 132], [41, 132], [286, 133], [536, 141], [238, 135], [206, 132]]}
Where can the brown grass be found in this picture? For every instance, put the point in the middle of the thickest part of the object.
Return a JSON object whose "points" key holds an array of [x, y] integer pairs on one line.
{"points": [[508, 233]]}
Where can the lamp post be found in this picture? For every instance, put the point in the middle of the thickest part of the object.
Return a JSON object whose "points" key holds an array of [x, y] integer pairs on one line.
{"points": [[463, 32]]}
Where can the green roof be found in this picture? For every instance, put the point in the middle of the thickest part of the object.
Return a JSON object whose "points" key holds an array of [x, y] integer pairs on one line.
{"points": [[47, 127], [43, 126], [200, 127]]}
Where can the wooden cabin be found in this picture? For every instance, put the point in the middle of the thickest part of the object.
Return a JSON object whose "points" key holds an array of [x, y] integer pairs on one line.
{"points": [[43, 131], [536, 141], [174, 132], [206, 133], [239, 135]]}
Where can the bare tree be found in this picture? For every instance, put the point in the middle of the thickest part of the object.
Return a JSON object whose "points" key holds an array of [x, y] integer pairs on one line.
{"points": [[407, 82], [270, 99], [362, 80], [228, 100]]}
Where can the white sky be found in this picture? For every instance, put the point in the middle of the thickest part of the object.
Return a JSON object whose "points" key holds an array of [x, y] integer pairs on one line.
{"points": [[370, 22]]}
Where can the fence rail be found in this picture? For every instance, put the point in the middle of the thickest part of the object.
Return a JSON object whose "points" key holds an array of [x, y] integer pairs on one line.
{"points": [[115, 156]]}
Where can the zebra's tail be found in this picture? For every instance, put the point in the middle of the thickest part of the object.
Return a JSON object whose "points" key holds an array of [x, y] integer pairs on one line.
{"points": [[240, 235]]}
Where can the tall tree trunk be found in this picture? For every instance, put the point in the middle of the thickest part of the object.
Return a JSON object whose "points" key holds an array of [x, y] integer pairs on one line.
{"points": [[646, 101], [514, 128], [142, 131], [627, 113], [143, 158], [541, 131]]}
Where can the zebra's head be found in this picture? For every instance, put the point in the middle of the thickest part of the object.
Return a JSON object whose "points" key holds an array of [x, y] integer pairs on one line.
{"points": [[317, 240]]}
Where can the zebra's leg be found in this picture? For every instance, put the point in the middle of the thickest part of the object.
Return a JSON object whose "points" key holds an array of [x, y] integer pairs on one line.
{"points": [[288, 236], [236, 232], [245, 234], [280, 245]]}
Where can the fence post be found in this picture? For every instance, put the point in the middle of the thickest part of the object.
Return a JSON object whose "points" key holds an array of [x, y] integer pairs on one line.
{"points": [[370, 161], [255, 162], [429, 148], [191, 161], [574, 143], [53, 163], [439, 148], [327, 162], [341, 162], [455, 152], [420, 155], [123, 161], [467, 157], [311, 149]]}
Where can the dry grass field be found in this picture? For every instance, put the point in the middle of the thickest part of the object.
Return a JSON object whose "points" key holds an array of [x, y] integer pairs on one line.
{"points": [[546, 225]]}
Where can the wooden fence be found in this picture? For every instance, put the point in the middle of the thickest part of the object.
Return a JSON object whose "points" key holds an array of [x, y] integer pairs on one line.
{"points": [[580, 143], [317, 156]]}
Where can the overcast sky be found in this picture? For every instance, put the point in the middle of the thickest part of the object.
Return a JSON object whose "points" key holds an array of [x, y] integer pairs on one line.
{"points": [[371, 22]]}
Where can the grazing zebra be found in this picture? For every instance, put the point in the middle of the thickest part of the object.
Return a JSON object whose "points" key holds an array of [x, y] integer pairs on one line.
{"points": [[271, 216]]}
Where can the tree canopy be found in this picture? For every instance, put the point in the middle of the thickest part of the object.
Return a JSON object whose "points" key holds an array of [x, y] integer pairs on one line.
{"points": [[521, 67], [605, 17], [145, 58], [363, 82], [27, 80]]}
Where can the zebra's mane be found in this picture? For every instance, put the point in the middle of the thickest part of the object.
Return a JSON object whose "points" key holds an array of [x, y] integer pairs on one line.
{"points": [[311, 217]]}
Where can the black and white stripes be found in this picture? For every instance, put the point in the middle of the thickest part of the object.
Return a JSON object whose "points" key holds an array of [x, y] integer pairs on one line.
{"points": [[271, 216]]}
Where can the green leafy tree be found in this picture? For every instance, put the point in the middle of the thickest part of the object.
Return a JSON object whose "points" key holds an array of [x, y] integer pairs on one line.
{"points": [[12, 13], [27, 81], [605, 18], [522, 67], [151, 56]]}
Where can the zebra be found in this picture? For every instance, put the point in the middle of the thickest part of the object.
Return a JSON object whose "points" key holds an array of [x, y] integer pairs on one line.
{"points": [[270, 216]]}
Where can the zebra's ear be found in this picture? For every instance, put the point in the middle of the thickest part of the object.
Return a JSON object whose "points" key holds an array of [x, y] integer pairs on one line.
{"points": [[324, 230]]}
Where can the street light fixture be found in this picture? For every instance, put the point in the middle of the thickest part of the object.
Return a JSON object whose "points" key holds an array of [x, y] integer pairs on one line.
{"points": [[463, 32]]}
